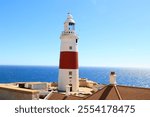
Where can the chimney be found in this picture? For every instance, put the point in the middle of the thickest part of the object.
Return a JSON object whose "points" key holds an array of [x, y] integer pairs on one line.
{"points": [[113, 78], [67, 90]]}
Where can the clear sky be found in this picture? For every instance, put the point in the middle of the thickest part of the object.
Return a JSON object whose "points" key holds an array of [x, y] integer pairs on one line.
{"points": [[111, 32]]}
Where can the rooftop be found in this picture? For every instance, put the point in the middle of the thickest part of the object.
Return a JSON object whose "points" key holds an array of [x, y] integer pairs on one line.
{"points": [[7, 87], [59, 96], [118, 92]]}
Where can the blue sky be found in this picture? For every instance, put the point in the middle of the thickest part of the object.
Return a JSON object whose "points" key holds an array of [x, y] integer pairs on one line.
{"points": [[111, 32]]}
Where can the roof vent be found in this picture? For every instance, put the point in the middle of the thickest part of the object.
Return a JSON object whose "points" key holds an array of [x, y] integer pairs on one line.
{"points": [[113, 78]]}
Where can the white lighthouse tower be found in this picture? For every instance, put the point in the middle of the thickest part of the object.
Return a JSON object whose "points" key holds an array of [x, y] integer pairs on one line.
{"points": [[68, 64]]}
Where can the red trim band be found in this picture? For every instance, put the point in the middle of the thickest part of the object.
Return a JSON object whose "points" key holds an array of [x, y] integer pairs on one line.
{"points": [[68, 60]]}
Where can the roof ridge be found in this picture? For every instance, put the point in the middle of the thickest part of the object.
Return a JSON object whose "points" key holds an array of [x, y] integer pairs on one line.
{"points": [[118, 93], [48, 95]]}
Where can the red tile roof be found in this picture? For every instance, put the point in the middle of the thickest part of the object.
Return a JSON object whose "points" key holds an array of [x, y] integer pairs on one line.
{"points": [[134, 93], [109, 92], [112, 92], [59, 96]]}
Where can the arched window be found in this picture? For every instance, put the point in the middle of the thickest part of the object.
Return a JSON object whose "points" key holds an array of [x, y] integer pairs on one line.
{"points": [[71, 26]]}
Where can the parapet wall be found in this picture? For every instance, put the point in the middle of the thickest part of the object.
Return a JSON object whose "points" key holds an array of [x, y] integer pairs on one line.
{"points": [[15, 93]]}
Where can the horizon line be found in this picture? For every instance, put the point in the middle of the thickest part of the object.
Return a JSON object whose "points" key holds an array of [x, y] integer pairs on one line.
{"points": [[79, 66]]}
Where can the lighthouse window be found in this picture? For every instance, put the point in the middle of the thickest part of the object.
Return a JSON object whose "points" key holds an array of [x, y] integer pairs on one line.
{"points": [[70, 72], [70, 47], [70, 77], [76, 40]]}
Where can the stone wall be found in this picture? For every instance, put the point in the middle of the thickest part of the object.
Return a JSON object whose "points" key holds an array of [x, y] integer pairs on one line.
{"points": [[84, 82], [37, 85], [15, 93]]}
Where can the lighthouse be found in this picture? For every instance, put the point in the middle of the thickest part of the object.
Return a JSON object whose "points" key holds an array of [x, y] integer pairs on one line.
{"points": [[68, 63]]}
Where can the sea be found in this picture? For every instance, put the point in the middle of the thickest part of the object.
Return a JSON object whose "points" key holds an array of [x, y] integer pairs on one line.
{"points": [[138, 77]]}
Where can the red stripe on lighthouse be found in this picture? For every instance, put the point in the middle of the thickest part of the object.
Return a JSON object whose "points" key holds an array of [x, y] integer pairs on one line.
{"points": [[68, 60]]}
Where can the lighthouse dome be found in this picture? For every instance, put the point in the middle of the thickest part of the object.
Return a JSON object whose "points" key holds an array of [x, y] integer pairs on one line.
{"points": [[70, 19]]}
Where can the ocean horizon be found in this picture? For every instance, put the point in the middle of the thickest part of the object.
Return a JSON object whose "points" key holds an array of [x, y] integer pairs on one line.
{"points": [[138, 77]]}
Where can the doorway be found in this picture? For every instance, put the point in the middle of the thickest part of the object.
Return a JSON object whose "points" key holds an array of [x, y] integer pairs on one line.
{"points": [[70, 87]]}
